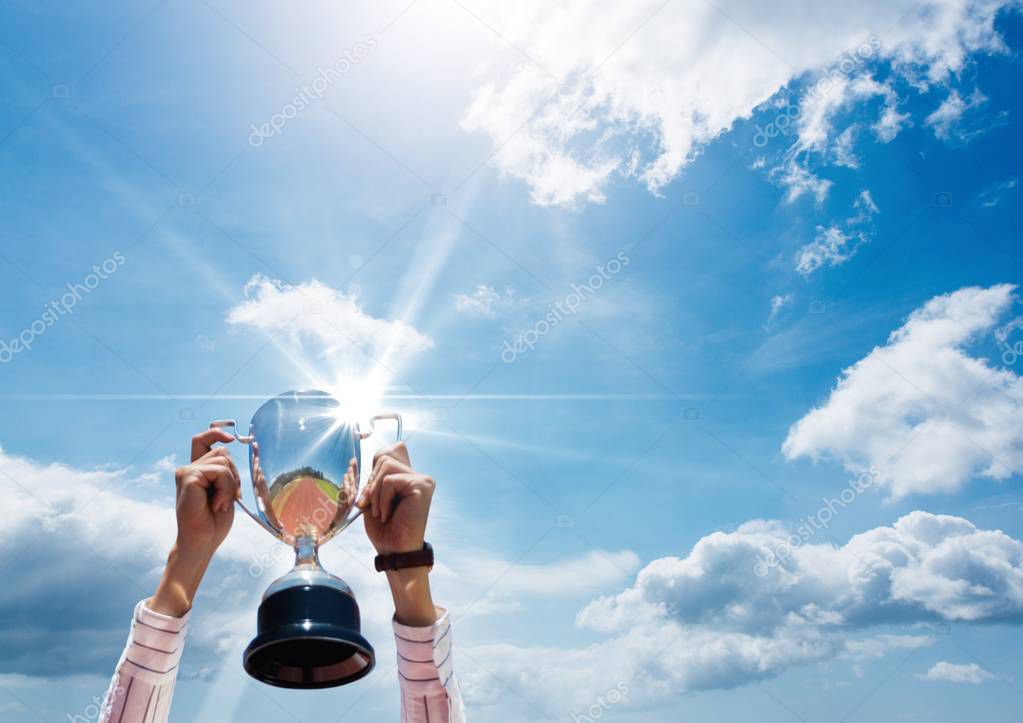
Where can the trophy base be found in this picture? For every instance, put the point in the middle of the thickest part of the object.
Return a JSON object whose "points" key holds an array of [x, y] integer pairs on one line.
{"points": [[308, 635]]}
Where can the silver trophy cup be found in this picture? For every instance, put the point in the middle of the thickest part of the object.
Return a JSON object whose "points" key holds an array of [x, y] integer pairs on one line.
{"points": [[308, 631]]}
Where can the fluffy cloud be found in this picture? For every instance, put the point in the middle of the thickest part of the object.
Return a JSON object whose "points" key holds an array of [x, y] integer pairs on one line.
{"points": [[77, 557], [313, 313], [924, 567], [947, 672], [599, 101], [707, 620], [920, 408], [78, 549]]}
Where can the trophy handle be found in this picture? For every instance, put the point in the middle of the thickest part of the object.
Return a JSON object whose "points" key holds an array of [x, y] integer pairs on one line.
{"points": [[231, 427], [378, 417]]}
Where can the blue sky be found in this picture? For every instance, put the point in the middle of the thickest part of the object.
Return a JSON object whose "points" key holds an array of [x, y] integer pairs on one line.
{"points": [[790, 313]]}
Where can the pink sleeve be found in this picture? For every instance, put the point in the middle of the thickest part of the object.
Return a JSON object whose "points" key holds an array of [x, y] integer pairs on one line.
{"points": [[429, 689], [143, 682]]}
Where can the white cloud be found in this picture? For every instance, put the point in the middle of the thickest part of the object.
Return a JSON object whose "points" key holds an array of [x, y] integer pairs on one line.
{"points": [[99, 548], [865, 208], [102, 549], [645, 107], [845, 154], [819, 107], [946, 120], [799, 181], [705, 620], [992, 195], [333, 323], [480, 302], [831, 246], [486, 301], [890, 124], [924, 567], [161, 470], [920, 408], [947, 672], [834, 245], [778, 303]]}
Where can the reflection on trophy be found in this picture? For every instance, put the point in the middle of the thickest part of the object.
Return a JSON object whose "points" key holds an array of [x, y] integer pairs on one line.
{"points": [[308, 631]]}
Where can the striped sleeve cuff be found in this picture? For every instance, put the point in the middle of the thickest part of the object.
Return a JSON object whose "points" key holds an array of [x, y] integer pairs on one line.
{"points": [[424, 656], [156, 643]]}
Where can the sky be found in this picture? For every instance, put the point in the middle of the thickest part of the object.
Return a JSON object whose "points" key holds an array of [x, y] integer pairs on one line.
{"points": [[705, 320]]}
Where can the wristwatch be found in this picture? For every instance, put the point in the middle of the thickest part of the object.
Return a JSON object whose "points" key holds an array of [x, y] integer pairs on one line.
{"points": [[403, 560]]}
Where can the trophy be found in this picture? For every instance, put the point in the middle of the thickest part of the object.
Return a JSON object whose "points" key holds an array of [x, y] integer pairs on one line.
{"points": [[308, 626]]}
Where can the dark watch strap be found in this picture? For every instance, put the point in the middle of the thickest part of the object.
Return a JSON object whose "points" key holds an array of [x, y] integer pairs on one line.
{"points": [[402, 560]]}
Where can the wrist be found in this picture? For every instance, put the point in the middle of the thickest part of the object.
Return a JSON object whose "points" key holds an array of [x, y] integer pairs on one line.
{"points": [[413, 601], [180, 581]]}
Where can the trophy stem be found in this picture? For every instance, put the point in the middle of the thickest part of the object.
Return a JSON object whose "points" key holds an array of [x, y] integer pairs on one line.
{"points": [[306, 557]]}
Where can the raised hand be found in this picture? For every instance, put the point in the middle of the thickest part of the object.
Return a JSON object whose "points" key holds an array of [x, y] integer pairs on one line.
{"points": [[396, 501], [396, 507], [204, 505]]}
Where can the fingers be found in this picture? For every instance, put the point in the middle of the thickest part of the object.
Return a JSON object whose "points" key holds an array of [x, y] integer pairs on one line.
{"points": [[222, 453], [386, 465], [398, 486], [392, 486], [383, 467], [398, 451], [228, 487], [218, 475], [390, 493], [204, 441]]}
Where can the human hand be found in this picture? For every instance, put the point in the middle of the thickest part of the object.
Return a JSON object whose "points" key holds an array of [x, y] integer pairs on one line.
{"points": [[396, 507], [396, 501], [206, 491], [204, 505]]}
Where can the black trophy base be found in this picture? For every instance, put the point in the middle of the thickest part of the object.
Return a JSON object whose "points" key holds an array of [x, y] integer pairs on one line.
{"points": [[308, 637]]}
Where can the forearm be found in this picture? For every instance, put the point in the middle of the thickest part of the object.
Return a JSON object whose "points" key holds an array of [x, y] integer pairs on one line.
{"points": [[413, 602], [180, 581]]}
